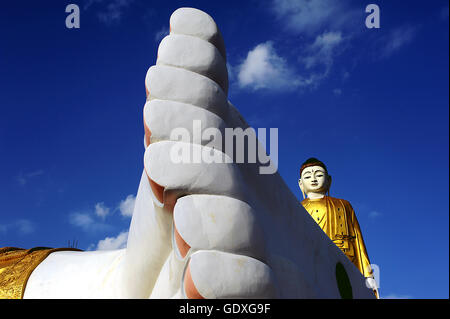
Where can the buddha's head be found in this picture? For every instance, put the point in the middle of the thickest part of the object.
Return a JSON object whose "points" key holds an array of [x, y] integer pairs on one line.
{"points": [[314, 179]]}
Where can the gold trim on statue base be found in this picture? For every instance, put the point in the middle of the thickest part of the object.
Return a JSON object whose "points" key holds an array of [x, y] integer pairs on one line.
{"points": [[16, 266]]}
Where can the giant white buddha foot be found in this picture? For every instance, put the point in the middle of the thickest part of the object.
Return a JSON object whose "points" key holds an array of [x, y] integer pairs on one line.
{"points": [[205, 224]]}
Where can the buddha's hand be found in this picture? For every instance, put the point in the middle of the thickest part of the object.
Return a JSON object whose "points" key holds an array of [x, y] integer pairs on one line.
{"points": [[238, 229], [371, 283]]}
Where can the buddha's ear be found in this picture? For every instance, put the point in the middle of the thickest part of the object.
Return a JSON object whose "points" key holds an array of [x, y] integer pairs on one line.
{"points": [[300, 184], [329, 182]]}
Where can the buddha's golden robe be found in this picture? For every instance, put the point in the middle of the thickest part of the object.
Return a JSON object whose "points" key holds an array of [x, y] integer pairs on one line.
{"points": [[337, 219], [16, 266]]}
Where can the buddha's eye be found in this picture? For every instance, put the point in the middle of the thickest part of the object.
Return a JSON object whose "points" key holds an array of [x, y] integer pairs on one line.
{"points": [[306, 177]]}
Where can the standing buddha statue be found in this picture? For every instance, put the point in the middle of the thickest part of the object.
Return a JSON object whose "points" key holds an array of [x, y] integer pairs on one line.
{"points": [[335, 216]]}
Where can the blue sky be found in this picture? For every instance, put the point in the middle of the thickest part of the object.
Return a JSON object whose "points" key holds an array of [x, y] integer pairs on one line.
{"points": [[371, 103]]}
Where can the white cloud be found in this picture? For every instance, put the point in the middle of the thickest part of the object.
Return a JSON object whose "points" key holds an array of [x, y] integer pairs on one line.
{"points": [[89, 3], [231, 72], [374, 214], [328, 27], [396, 39], [24, 226], [323, 49], [87, 223], [318, 57], [111, 12], [159, 35], [94, 220], [345, 75], [21, 226], [110, 243], [337, 91], [24, 178], [311, 16], [82, 220], [126, 206], [263, 68], [101, 210]]}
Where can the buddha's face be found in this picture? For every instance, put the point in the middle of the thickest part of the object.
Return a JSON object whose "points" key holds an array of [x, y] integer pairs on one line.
{"points": [[314, 179]]}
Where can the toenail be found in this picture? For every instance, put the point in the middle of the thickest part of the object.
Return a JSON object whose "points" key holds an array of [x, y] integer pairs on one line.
{"points": [[189, 288]]}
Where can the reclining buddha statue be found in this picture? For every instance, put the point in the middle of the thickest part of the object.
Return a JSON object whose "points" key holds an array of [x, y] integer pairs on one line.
{"points": [[200, 229]]}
